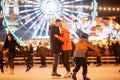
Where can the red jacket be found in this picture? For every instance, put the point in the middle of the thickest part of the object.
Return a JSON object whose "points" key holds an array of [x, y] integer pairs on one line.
{"points": [[97, 53], [65, 38]]}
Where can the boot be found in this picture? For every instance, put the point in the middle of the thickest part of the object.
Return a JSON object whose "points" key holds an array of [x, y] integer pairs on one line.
{"points": [[85, 77], [69, 74], [56, 74], [74, 76]]}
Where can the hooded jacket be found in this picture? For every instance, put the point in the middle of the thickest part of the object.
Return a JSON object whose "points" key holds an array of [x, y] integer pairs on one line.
{"points": [[55, 44]]}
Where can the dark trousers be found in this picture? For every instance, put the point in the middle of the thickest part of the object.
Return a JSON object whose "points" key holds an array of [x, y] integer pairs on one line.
{"points": [[98, 60], [31, 60], [43, 60], [80, 62], [27, 62], [1, 65], [6, 64], [65, 60], [117, 59], [11, 62]]}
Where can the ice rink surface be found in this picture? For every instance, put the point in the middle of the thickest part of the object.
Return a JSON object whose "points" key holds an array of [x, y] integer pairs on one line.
{"points": [[104, 72]]}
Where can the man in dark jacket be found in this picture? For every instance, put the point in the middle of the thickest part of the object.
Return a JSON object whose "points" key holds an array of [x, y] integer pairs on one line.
{"points": [[42, 54], [55, 45]]}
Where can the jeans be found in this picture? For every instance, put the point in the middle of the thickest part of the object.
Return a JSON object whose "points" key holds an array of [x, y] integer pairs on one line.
{"points": [[55, 62]]}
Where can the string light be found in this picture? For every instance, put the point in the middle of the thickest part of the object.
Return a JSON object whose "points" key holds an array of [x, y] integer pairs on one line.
{"points": [[108, 8], [104, 8], [100, 8], [22, 1], [90, 8], [118, 9], [113, 9]]}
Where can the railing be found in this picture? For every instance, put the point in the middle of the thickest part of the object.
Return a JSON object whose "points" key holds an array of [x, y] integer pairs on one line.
{"points": [[19, 59], [49, 60], [104, 59]]}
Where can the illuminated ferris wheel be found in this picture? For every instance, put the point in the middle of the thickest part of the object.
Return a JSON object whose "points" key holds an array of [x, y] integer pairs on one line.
{"points": [[31, 18]]}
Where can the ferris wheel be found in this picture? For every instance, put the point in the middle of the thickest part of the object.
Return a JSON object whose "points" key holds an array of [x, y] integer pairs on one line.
{"points": [[27, 19]]}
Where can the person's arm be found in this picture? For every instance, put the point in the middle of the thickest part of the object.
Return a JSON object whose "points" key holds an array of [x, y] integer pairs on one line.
{"points": [[5, 49], [55, 31], [95, 49], [63, 38], [5, 46], [17, 44]]}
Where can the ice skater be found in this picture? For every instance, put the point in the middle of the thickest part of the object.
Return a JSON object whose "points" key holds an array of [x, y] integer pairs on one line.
{"points": [[80, 56]]}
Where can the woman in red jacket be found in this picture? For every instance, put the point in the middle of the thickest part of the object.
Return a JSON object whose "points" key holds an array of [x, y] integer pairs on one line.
{"points": [[66, 48]]}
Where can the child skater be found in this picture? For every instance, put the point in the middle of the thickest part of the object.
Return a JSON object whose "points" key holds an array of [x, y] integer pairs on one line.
{"points": [[80, 56], [27, 58]]}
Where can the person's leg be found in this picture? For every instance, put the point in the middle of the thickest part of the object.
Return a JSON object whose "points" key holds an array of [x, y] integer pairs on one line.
{"points": [[11, 65], [119, 58], [116, 59], [5, 55], [98, 61], [1, 65], [6, 64], [84, 65], [66, 60], [55, 64], [11, 62], [60, 59], [42, 61], [66, 63], [27, 65], [31, 60], [77, 67], [72, 61]]}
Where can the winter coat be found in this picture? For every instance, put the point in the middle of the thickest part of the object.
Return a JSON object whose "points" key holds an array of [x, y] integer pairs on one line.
{"points": [[81, 48], [65, 38], [41, 51], [55, 44], [11, 46]]}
